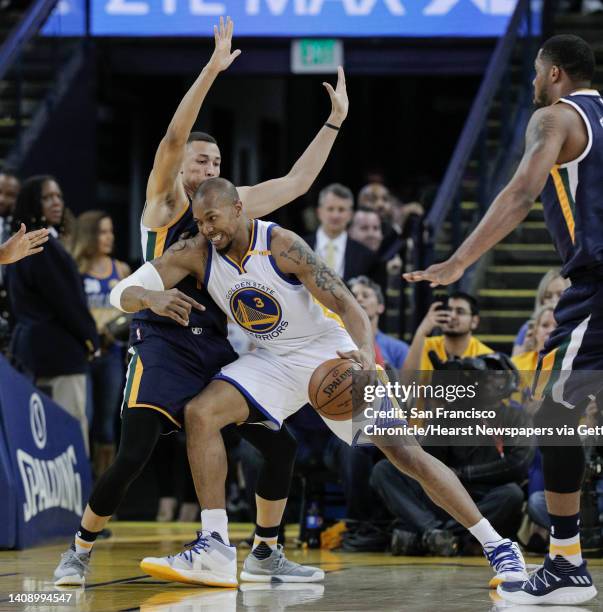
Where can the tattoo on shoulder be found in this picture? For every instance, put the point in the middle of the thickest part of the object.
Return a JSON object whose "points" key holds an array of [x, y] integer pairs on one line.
{"points": [[300, 253], [541, 128]]}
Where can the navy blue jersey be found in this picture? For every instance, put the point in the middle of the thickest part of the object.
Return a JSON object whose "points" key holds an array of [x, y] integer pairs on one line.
{"points": [[155, 240], [573, 194]]}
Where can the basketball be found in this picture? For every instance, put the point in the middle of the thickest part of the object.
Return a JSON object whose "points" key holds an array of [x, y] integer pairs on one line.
{"points": [[330, 388]]}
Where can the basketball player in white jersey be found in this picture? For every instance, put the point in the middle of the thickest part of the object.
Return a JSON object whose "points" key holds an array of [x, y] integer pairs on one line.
{"points": [[273, 285]]}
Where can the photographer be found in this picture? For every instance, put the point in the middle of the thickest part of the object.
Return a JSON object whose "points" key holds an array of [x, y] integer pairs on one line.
{"points": [[492, 468], [458, 318]]}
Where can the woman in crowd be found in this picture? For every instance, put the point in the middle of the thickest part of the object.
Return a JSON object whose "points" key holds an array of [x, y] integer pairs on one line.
{"points": [[54, 335], [100, 272], [550, 288]]}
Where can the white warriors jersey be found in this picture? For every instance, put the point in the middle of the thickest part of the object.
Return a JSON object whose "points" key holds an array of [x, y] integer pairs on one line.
{"points": [[273, 308]]}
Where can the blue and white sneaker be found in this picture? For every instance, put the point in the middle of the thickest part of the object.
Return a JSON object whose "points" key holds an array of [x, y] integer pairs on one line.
{"points": [[507, 562], [547, 586], [207, 560]]}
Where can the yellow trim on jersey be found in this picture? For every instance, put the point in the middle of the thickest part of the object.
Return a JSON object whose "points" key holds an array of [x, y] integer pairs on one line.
{"points": [[329, 313], [135, 382], [160, 238], [158, 409], [248, 253], [564, 201], [170, 224], [544, 374]]}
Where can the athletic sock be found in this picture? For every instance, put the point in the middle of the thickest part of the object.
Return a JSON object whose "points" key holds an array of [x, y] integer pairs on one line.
{"points": [[265, 541], [83, 540], [485, 533], [216, 520], [564, 549]]}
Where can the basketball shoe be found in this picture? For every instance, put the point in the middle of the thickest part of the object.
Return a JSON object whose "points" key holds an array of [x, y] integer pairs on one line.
{"points": [[207, 560], [547, 585], [277, 568], [72, 569], [507, 561]]}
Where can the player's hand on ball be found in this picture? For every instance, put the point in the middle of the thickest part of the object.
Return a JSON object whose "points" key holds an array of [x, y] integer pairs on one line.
{"points": [[173, 304], [339, 99], [222, 57], [443, 273], [364, 358]]}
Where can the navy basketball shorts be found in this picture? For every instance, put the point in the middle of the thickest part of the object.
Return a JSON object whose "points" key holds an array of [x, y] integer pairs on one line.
{"points": [[570, 367], [169, 365]]}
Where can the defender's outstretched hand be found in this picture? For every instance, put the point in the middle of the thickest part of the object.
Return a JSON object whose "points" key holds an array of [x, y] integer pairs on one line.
{"points": [[222, 57], [22, 245], [339, 99], [443, 273]]}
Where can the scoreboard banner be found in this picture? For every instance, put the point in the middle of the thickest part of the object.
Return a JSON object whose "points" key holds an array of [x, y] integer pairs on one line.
{"points": [[48, 470], [286, 18]]}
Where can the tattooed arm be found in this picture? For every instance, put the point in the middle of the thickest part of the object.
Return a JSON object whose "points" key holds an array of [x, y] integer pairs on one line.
{"points": [[184, 258], [545, 136], [294, 256]]}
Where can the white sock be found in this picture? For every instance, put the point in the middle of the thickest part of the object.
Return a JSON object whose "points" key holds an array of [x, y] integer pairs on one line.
{"points": [[216, 520], [485, 533]]}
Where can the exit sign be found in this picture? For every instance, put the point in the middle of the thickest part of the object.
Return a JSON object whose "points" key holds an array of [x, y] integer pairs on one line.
{"points": [[316, 55]]}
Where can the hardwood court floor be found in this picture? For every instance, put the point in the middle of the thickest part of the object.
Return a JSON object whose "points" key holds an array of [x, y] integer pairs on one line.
{"points": [[353, 582]]}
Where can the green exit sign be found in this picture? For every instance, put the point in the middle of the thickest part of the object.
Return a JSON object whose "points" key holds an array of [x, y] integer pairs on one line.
{"points": [[316, 55]]}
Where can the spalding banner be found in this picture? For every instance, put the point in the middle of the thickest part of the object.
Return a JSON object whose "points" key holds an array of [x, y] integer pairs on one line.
{"points": [[50, 470]]}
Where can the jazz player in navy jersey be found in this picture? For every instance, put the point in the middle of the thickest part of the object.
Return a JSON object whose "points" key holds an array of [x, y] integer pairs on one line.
{"points": [[563, 161], [171, 364], [294, 308]]}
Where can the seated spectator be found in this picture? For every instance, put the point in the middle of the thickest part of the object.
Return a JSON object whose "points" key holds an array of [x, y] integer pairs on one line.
{"points": [[331, 241], [366, 229], [100, 273], [458, 317], [55, 334], [390, 352], [492, 470], [550, 288]]}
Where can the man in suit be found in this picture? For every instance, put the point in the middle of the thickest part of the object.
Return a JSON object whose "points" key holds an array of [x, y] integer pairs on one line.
{"points": [[346, 256]]}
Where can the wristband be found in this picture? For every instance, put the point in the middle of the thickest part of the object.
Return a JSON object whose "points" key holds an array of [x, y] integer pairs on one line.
{"points": [[333, 127]]}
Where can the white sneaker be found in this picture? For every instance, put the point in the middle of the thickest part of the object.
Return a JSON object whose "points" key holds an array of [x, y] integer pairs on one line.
{"points": [[507, 561], [207, 560], [72, 569]]}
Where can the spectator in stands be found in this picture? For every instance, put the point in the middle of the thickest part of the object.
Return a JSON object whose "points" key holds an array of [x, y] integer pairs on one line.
{"points": [[458, 318], [366, 229], [550, 288], [331, 242], [377, 197], [9, 188], [55, 334], [100, 272]]}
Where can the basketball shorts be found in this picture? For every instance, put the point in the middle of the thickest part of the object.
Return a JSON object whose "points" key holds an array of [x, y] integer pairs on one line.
{"points": [[570, 367], [170, 365], [277, 385]]}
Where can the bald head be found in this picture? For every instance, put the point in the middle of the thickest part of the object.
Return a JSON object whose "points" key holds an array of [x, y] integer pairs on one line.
{"points": [[216, 192]]}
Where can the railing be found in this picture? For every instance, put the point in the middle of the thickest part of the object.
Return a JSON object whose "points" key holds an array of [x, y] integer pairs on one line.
{"points": [[473, 143], [23, 32]]}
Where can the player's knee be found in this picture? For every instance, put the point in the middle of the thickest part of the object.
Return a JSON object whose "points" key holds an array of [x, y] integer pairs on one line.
{"points": [[200, 414]]}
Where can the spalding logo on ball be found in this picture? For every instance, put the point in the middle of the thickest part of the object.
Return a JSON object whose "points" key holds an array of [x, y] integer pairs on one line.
{"points": [[330, 388]]}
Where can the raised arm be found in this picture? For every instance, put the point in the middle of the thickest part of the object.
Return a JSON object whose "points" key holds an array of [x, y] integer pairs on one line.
{"points": [[151, 285], [266, 197], [164, 187], [294, 256], [545, 135]]}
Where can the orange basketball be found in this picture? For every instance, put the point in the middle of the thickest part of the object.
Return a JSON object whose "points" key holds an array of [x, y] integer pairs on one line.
{"points": [[330, 388]]}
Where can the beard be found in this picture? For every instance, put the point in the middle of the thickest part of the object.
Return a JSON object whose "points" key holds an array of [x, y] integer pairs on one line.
{"points": [[453, 333], [225, 249], [543, 99]]}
